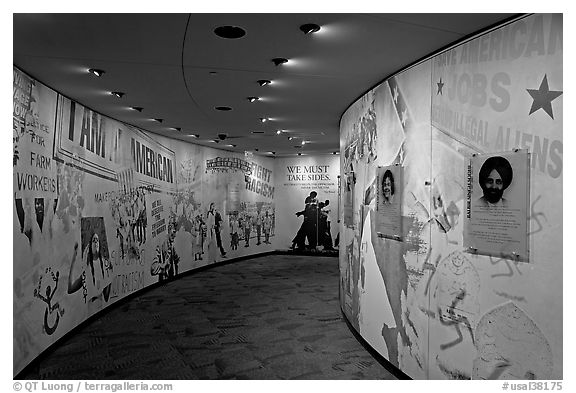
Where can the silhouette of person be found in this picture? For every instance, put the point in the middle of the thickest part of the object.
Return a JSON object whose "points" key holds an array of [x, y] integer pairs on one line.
{"points": [[165, 263], [309, 225], [234, 228], [217, 226], [258, 224], [246, 225], [266, 227]]}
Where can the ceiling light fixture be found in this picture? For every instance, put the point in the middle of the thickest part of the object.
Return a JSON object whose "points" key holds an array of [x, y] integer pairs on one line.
{"points": [[231, 145], [299, 154], [271, 152], [309, 28], [279, 60], [252, 99], [290, 138], [278, 132], [176, 128], [137, 108], [223, 108], [264, 82], [158, 120], [263, 119], [255, 149], [303, 142], [194, 135], [96, 72], [230, 32], [118, 94], [334, 152], [257, 132]]}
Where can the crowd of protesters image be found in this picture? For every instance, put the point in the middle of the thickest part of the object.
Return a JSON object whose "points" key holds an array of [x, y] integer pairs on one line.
{"points": [[315, 228], [243, 225], [210, 228]]}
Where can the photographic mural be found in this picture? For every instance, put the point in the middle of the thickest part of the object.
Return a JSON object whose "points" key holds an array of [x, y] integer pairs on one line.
{"points": [[477, 131], [103, 209], [308, 196]]}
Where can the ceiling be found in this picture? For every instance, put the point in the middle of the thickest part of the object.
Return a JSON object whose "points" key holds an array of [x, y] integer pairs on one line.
{"points": [[178, 70]]}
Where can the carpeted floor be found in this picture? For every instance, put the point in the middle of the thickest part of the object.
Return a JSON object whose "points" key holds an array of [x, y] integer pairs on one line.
{"points": [[273, 317]]}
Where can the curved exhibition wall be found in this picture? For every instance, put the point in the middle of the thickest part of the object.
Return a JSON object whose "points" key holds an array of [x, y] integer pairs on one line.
{"points": [[102, 209], [451, 233]]}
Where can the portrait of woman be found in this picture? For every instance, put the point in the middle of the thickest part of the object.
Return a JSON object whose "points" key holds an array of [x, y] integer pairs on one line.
{"points": [[388, 187]]}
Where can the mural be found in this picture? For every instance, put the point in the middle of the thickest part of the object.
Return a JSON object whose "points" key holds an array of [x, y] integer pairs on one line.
{"points": [[103, 209], [437, 309], [308, 194]]}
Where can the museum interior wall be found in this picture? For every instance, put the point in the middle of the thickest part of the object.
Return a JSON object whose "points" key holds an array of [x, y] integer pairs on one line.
{"points": [[440, 284], [451, 219], [102, 209]]}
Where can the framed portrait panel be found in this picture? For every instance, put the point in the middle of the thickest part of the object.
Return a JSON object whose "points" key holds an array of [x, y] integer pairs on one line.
{"points": [[496, 205], [389, 187]]}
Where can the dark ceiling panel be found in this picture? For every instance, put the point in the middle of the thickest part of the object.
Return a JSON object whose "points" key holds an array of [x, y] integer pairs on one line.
{"points": [[142, 55]]}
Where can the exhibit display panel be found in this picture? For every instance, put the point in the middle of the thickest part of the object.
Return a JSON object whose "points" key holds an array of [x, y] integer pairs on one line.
{"points": [[296, 178], [102, 209], [472, 289]]}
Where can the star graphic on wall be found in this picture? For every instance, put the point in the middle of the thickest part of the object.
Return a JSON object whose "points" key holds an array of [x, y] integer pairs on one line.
{"points": [[396, 94], [404, 117], [440, 86], [543, 98]]}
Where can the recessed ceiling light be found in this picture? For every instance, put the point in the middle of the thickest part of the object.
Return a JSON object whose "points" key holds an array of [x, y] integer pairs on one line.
{"points": [[303, 142], [158, 120], [263, 119], [279, 60], [230, 32], [334, 152], [213, 73], [264, 82], [223, 108], [271, 152], [309, 28], [96, 72], [176, 128], [137, 108], [299, 154], [252, 99], [257, 132], [231, 145], [194, 135], [278, 132], [255, 149], [118, 94], [290, 138]]}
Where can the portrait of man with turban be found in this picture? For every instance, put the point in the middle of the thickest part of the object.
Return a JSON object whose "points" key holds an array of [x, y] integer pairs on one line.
{"points": [[495, 176]]}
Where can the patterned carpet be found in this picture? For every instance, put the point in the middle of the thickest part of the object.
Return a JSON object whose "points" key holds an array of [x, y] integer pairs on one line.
{"points": [[273, 317]]}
